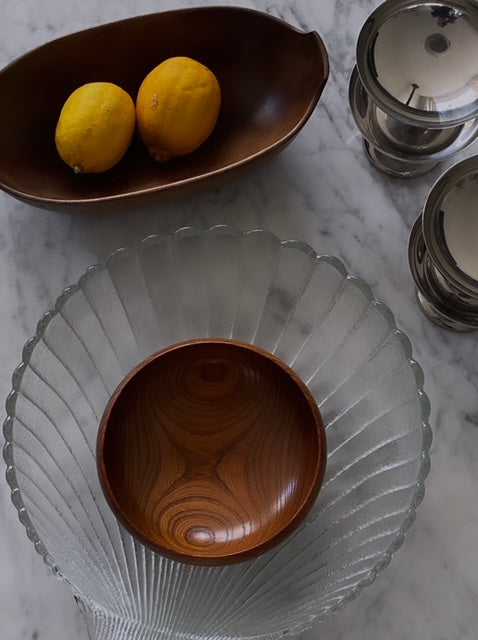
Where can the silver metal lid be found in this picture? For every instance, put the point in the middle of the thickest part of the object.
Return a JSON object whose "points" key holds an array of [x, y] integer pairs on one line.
{"points": [[419, 60], [450, 225]]}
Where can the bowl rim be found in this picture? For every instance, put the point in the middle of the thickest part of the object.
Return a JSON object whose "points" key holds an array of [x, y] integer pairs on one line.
{"points": [[299, 245]]}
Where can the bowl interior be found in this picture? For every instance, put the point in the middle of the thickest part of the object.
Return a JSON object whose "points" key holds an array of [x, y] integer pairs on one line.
{"points": [[269, 88], [211, 451]]}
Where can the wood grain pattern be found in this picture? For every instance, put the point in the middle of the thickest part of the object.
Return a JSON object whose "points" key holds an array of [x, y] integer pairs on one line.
{"points": [[211, 451]]}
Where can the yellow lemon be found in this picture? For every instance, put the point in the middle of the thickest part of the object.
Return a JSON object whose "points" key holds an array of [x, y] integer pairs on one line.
{"points": [[95, 127], [177, 107]]}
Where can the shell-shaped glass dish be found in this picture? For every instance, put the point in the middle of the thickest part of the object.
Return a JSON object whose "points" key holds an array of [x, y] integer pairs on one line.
{"points": [[250, 286]]}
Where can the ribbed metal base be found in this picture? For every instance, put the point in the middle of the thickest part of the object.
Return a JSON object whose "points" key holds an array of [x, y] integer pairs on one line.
{"points": [[439, 310]]}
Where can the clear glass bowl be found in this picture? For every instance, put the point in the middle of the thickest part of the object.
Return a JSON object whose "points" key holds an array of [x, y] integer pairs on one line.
{"points": [[282, 296]]}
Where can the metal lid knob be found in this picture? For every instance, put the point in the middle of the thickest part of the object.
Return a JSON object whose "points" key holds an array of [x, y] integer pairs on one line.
{"points": [[419, 61]]}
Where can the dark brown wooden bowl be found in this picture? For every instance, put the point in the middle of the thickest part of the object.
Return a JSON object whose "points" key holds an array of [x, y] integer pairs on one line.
{"points": [[211, 451], [271, 77]]}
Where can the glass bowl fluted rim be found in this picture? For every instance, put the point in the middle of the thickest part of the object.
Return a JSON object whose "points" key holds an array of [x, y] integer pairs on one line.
{"points": [[298, 245]]}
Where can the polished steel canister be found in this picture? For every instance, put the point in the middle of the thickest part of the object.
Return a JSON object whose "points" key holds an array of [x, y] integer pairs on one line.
{"points": [[414, 89], [443, 249]]}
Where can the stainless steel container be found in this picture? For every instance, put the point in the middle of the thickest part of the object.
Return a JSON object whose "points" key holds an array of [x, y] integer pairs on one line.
{"points": [[443, 249], [414, 89]]}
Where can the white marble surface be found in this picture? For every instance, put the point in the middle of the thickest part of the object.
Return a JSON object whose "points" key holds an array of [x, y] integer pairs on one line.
{"points": [[322, 190]]}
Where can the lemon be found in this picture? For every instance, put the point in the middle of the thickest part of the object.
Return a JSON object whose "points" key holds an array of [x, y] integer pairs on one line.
{"points": [[177, 107], [95, 127]]}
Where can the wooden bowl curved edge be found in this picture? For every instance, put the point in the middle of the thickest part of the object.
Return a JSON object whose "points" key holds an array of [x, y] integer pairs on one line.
{"points": [[269, 90], [211, 451]]}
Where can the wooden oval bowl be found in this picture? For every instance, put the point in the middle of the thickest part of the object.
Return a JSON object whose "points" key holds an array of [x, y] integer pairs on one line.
{"points": [[271, 77], [211, 451]]}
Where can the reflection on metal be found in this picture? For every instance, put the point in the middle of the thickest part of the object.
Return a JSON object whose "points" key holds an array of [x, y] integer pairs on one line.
{"points": [[445, 277], [414, 89]]}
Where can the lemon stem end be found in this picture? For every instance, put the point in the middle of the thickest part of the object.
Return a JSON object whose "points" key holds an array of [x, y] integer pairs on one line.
{"points": [[160, 155]]}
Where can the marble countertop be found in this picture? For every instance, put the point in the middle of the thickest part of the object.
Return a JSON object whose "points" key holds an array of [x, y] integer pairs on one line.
{"points": [[322, 190]]}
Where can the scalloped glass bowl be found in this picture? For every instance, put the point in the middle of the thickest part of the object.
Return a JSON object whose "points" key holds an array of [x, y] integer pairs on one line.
{"points": [[283, 297]]}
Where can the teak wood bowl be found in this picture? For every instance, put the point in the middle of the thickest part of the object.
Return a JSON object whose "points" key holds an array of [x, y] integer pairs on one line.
{"points": [[211, 451], [271, 77]]}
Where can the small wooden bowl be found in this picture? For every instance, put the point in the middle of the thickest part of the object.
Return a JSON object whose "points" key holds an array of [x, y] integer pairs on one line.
{"points": [[211, 451], [271, 77]]}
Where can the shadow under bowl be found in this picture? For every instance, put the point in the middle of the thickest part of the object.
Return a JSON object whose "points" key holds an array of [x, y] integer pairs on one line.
{"points": [[211, 451], [271, 77]]}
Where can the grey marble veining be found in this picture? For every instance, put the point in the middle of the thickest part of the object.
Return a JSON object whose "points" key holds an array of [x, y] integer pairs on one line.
{"points": [[322, 190]]}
